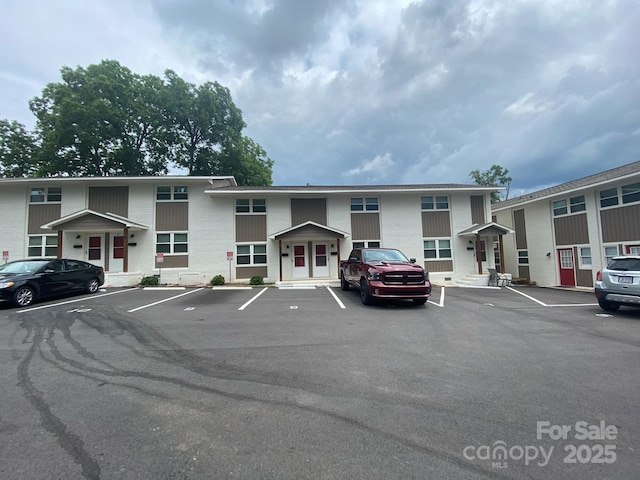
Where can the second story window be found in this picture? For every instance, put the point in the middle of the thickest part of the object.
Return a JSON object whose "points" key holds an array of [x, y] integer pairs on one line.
{"points": [[438, 202], [172, 192], [577, 204], [251, 205], [609, 197], [45, 194], [573, 205], [368, 204], [631, 193]]}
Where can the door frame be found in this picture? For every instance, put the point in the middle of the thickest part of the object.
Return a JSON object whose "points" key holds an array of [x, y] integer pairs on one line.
{"points": [[302, 271], [567, 279]]}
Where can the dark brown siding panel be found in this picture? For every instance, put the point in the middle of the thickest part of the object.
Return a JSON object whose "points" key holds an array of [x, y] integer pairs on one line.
{"points": [[248, 272], [174, 261], [621, 224], [172, 216], [477, 209], [523, 272], [109, 199], [436, 224], [584, 278], [571, 230], [439, 266], [251, 228], [308, 209], [365, 226], [41, 213], [520, 228]]}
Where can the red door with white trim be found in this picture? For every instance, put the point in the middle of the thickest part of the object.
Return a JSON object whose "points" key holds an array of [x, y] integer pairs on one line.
{"points": [[566, 264]]}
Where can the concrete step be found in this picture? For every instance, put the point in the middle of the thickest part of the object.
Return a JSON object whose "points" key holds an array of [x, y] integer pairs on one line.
{"points": [[309, 283]]}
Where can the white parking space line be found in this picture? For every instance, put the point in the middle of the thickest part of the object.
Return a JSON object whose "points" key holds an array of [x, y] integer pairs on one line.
{"points": [[165, 300], [546, 305], [253, 298], [81, 299], [336, 298], [441, 304]]}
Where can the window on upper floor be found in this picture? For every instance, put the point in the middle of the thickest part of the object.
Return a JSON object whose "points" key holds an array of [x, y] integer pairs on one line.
{"points": [[609, 197], [438, 202], [572, 205], [364, 204], [251, 205], [45, 195], [631, 193], [172, 192]]}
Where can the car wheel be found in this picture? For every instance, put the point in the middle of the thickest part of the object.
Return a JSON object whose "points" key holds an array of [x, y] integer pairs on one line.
{"points": [[344, 285], [419, 301], [608, 306], [24, 296], [365, 296], [93, 285]]}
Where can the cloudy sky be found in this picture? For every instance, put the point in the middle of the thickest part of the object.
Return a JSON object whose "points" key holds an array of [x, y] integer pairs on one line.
{"points": [[370, 91]]}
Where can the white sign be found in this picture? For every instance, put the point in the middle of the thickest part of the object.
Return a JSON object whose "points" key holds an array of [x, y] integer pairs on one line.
{"points": [[159, 257], [5, 255], [230, 256]]}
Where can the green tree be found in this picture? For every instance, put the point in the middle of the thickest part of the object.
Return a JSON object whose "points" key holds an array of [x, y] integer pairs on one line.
{"points": [[496, 176], [103, 120], [18, 150]]}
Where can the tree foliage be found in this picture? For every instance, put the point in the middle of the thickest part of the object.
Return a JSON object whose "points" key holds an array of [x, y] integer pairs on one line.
{"points": [[496, 176], [105, 120]]}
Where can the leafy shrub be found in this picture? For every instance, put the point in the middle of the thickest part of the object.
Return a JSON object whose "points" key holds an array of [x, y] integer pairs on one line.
{"points": [[256, 280], [217, 280], [149, 281]]}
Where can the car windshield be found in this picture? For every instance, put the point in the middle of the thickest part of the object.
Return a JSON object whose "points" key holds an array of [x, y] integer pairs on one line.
{"points": [[23, 267], [625, 264], [384, 256]]}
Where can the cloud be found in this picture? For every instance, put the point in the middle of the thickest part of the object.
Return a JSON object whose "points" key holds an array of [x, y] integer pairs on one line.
{"points": [[543, 88]]}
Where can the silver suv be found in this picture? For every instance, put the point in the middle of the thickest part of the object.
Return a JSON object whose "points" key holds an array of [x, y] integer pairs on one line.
{"points": [[619, 283]]}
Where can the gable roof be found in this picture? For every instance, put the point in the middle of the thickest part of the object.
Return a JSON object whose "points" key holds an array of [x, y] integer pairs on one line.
{"points": [[109, 218], [490, 228], [618, 173], [308, 226]]}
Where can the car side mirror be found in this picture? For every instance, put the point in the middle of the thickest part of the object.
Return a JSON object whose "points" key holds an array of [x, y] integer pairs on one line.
{"points": [[354, 260], [412, 260]]}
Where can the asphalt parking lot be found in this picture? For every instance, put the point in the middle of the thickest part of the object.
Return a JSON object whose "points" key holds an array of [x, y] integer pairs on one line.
{"points": [[266, 383]]}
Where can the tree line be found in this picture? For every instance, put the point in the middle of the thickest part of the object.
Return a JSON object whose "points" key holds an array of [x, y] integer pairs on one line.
{"points": [[105, 120]]}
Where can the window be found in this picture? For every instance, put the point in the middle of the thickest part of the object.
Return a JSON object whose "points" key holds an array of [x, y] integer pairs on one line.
{"points": [[172, 243], [577, 204], [440, 202], [631, 193], [369, 204], [247, 205], [523, 257], [167, 193], [43, 246], [45, 194], [254, 254], [437, 248], [560, 207], [609, 197], [609, 253], [585, 256], [367, 244]]}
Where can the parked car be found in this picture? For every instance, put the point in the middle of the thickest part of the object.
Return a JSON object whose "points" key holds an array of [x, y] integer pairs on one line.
{"points": [[24, 281], [619, 283]]}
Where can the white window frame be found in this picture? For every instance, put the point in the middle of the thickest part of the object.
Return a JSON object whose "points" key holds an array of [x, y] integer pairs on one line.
{"points": [[585, 253], [252, 254], [46, 194], [178, 191], [368, 204], [523, 255], [366, 244], [173, 243], [608, 256], [609, 198], [436, 202], [255, 206], [47, 242], [634, 191], [438, 248]]}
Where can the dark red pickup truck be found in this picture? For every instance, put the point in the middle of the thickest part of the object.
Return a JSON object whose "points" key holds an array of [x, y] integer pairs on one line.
{"points": [[384, 273]]}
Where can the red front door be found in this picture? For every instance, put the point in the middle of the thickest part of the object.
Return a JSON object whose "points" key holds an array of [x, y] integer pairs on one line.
{"points": [[567, 273]]}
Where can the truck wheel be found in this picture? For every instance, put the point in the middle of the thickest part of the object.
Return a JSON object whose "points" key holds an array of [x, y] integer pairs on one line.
{"points": [[608, 306], [419, 301], [365, 296], [344, 285]]}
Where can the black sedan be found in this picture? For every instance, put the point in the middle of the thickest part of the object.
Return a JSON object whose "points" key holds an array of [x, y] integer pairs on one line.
{"points": [[24, 281]]}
